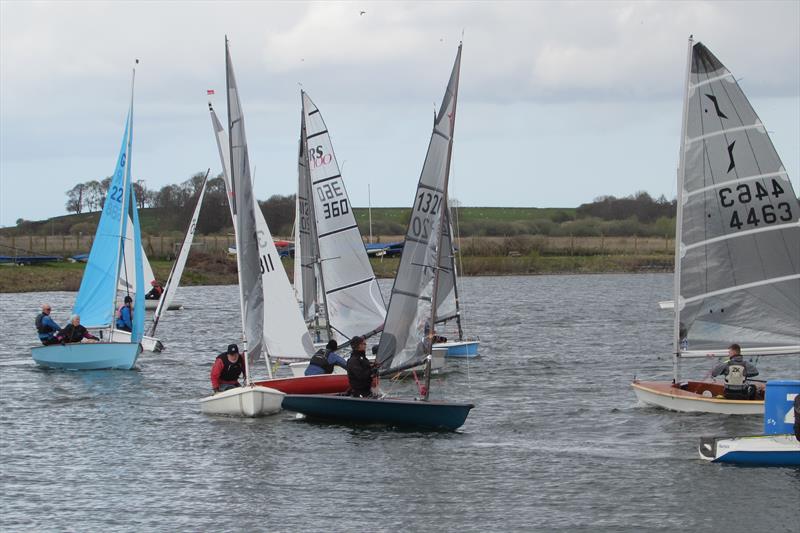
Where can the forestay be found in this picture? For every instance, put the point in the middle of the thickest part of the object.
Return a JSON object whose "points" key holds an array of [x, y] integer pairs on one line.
{"points": [[353, 299], [740, 240], [96, 300], [406, 338]]}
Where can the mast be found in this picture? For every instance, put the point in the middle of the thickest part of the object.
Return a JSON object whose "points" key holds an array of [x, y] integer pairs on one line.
{"points": [[443, 219], [124, 217], [676, 291], [239, 247]]}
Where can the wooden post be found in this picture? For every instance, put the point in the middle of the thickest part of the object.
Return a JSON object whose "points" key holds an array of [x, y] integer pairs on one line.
{"points": [[572, 244], [602, 244], [30, 243], [635, 243], [161, 247], [14, 244], [64, 244]]}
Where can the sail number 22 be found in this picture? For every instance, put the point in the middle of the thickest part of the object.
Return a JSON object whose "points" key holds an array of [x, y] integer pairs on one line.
{"points": [[752, 216]]}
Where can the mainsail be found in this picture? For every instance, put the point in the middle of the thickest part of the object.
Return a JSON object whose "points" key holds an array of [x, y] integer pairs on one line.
{"points": [[409, 327], [353, 300], [244, 205], [96, 300], [305, 252], [738, 271], [282, 332]]}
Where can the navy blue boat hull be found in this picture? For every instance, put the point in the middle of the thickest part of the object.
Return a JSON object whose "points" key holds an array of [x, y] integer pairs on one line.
{"points": [[385, 411]]}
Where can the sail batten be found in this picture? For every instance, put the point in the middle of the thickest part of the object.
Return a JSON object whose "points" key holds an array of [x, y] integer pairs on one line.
{"points": [[738, 260]]}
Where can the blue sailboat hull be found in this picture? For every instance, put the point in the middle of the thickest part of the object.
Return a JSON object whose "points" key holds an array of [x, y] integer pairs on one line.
{"points": [[384, 411], [87, 356], [460, 348]]}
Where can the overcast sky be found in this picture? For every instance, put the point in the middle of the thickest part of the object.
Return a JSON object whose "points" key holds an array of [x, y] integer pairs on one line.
{"points": [[559, 102]]}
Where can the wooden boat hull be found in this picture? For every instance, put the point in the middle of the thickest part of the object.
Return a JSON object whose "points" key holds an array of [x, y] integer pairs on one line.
{"points": [[384, 411], [87, 356], [320, 384], [774, 450], [149, 344], [249, 401], [459, 348], [696, 397]]}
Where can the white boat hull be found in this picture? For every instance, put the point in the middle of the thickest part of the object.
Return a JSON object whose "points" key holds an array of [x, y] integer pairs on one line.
{"points": [[149, 344], [776, 450], [660, 394], [249, 401]]}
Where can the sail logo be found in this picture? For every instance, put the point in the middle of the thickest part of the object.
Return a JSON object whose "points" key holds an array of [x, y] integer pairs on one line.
{"points": [[318, 158]]}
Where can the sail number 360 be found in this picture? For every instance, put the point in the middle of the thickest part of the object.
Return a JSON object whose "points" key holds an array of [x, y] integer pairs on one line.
{"points": [[331, 197], [752, 216]]}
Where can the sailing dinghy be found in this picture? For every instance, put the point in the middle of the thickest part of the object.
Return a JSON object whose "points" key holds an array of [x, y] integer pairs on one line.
{"points": [[411, 318], [737, 256], [97, 301]]}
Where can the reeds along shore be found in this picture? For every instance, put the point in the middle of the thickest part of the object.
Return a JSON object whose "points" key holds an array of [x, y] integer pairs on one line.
{"points": [[479, 256]]}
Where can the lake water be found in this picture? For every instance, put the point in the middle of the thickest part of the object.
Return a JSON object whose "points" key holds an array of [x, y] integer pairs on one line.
{"points": [[556, 442]]}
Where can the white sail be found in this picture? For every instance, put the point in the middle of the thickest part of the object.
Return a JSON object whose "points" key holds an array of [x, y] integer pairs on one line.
{"points": [[174, 280], [447, 308], [738, 270], [285, 331], [353, 300], [406, 337], [245, 207], [127, 277]]}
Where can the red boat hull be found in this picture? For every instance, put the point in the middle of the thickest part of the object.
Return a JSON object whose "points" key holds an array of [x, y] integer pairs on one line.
{"points": [[319, 384]]}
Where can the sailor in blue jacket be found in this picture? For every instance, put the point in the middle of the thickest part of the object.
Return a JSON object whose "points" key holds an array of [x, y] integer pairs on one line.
{"points": [[46, 327], [324, 361], [124, 316]]}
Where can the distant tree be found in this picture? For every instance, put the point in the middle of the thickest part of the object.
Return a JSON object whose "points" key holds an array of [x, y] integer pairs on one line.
{"points": [[75, 199], [279, 213]]}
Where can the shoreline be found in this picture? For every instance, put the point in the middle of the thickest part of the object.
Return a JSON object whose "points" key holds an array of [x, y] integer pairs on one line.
{"points": [[65, 276]]}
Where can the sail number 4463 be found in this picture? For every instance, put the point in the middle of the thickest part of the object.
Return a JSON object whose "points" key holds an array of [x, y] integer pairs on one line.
{"points": [[752, 216]]}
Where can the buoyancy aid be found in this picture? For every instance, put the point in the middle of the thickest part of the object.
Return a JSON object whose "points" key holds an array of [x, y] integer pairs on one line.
{"points": [[230, 371], [735, 377], [320, 359], [41, 327]]}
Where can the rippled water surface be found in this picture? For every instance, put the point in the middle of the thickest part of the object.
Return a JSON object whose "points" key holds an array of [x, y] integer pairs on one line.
{"points": [[556, 441]]}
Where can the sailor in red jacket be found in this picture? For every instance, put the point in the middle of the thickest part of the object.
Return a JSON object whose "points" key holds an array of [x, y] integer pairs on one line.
{"points": [[227, 369]]}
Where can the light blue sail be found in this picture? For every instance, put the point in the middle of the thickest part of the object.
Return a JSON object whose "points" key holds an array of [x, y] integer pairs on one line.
{"points": [[97, 295]]}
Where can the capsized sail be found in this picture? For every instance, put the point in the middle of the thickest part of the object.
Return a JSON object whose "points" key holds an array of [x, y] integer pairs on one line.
{"points": [[354, 302], [96, 298], [174, 279], [244, 205], [740, 235], [406, 337]]}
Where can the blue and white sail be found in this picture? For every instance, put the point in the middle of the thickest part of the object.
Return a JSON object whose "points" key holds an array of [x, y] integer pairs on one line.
{"points": [[96, 300]]}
